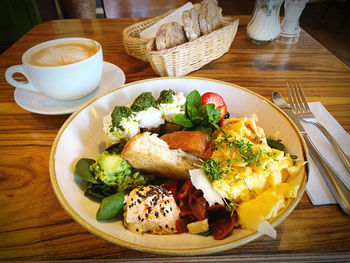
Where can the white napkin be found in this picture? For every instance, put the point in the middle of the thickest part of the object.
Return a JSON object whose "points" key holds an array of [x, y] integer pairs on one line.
{"points": [[316, 187]]}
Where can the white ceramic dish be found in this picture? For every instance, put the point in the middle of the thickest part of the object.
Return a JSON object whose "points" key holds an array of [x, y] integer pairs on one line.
{"points": [[112, 77], [82, 136]]}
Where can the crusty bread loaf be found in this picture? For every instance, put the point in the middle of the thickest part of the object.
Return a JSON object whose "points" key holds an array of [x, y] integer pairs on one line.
{"points": [[210, 16], [170, 35], [190, 22], [193, 142], [148, 153]]}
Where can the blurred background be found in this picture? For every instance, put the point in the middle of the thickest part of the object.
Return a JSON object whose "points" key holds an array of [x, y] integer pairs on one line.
{"points": [[325, 20]]}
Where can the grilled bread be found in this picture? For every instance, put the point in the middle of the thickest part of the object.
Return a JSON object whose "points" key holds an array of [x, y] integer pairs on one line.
{"points": [[193, 142], [148, 153]]}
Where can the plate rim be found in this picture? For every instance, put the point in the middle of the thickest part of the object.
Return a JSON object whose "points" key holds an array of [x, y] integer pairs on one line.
{"points": [[173, 251]]}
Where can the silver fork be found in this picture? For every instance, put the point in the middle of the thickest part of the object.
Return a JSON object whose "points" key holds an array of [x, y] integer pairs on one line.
{"points": [[300, 107]]}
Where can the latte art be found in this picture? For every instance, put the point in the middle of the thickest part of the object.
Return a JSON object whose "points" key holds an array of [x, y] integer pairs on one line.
{"points": [[62, 54]]}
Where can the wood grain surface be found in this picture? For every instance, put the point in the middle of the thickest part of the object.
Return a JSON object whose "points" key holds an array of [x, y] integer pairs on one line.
{"points": [[34, 226]]}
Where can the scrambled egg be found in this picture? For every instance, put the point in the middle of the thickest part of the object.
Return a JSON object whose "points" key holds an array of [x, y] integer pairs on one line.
{"points": [[252, 174]]}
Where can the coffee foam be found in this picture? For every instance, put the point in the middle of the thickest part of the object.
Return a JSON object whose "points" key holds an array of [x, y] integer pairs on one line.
{"points": [[62, 54]]}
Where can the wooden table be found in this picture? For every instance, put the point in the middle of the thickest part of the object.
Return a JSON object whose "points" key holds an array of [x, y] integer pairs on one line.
{"points": [[34, 226]]}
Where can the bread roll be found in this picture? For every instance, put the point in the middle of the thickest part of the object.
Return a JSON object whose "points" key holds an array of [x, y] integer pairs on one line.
{"points": [[150, 154], [210, 16], [190, 22], [170, 35]]}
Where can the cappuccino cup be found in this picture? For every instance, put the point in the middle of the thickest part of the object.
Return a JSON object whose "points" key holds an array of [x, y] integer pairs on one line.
{"points": [[63, 69]]}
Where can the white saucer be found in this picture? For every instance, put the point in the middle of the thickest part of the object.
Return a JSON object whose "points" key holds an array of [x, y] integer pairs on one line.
{"points": [[112, 77]]}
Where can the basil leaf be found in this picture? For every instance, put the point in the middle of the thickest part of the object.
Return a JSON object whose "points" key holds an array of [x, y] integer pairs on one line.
{"points": [[194, 98], [276, 144], [183, 120], [206, 233], [110, 206], [82, 170], [197, 120], [191, 111], [202, 111], [99, 190], [216, 115]]}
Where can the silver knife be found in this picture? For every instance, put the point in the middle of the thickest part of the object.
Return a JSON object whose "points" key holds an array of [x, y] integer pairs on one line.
{"points": [[339, 190]]}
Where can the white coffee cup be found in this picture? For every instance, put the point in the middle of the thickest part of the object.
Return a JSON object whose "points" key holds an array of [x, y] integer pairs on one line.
{"points": [[63, 69]]}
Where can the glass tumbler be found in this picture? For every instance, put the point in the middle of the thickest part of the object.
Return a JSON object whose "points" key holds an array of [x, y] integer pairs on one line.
{"points": [[264, 26], [290, 29]]}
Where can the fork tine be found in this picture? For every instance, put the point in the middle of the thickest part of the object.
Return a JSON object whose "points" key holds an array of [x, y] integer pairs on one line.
{"points": [[293, 100], [291, 97], [303, 98], [299, 102]]}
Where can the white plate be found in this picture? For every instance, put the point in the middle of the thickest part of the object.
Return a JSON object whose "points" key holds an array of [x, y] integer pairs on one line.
{"points": [[82, 136], [112, 77]]}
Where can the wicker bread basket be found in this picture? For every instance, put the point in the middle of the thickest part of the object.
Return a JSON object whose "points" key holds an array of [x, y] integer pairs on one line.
{"points": [[134, 45], [182, 59]]}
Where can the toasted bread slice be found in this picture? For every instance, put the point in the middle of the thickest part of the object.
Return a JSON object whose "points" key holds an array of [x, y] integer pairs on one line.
{"points": [[148, 153], [193, 142]]}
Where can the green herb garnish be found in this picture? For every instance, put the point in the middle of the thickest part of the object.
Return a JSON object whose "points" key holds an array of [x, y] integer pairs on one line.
{"points": [[144, 101], [117, 115], [166, 97], [198, 117], [212, 169], [231, 206], [243, 147]]}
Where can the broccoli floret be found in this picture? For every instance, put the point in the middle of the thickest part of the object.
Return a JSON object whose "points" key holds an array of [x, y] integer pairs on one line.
{"points": [[109, 166]]}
